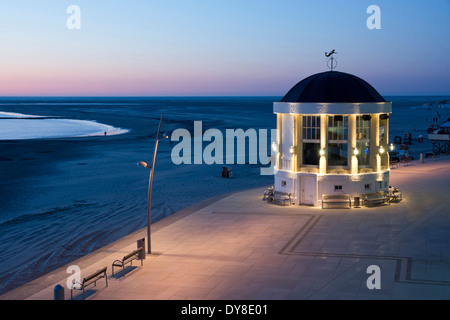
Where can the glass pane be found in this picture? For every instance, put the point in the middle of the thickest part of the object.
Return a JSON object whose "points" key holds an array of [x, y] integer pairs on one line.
{"points": [[337, 127], [337, 154], [311, 153], [362, 128], [363, 154], [311, 127]]}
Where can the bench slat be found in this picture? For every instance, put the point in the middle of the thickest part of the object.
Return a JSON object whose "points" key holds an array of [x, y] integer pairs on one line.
{"points": [[87, 281], [99, 274], [379, 197], [279, 196], [128, 259], [336, 200]]}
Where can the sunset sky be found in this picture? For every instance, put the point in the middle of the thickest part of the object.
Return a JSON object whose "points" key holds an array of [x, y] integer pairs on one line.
{"points": [[213, 47]]}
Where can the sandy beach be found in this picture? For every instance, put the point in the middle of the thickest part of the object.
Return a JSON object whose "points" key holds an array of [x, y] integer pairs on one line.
{"points": [[65, 198]]}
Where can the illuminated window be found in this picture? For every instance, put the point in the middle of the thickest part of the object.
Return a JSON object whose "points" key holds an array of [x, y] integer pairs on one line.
{"points": [[310, 140], [311, 127], [363, 140], [337, 141], [383, 125]]}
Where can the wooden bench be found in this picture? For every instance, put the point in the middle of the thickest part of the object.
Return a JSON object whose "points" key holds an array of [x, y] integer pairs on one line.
{"points": [[268, 194], [393, 163], [281, 197], [406, 160], [375, 198], [336, 200], [91, 279], [394, 194], [395, 197], [128, 259]]}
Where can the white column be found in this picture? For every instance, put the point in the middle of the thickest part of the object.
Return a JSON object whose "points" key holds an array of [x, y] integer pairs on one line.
{"points": [[323, 143], [375, 142], [352, 143]]}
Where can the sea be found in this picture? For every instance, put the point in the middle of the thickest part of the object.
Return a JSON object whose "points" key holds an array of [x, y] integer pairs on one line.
{"points": [[63, 197]]}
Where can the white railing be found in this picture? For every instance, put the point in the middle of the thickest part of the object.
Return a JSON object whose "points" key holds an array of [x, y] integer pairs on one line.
{"points": [[286, 164]]}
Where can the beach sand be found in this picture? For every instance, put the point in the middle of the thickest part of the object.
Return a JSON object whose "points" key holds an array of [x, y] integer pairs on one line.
{"points": [[65, 198]]}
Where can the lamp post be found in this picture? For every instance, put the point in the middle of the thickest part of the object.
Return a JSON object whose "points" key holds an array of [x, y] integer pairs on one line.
{"points": [[150, 181]]}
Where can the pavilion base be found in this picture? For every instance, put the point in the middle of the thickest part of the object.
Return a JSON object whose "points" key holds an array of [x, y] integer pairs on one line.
{"points": [[308, 188]]}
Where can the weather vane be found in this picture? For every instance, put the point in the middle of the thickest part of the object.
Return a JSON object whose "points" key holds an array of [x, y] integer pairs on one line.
{"points": [[331, 63]]}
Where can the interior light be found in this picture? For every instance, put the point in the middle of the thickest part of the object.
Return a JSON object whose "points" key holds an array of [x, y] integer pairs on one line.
{"points": [[392, 147]]}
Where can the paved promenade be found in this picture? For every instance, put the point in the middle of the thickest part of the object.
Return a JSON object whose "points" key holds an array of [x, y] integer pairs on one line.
{"points": [[240, 247]]}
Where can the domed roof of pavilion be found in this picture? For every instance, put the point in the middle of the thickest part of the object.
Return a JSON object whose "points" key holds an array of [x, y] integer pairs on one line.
{"points": [[333, 86]]}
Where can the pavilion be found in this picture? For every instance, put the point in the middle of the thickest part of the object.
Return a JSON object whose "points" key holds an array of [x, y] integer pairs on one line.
{"points": [[332, 138]]}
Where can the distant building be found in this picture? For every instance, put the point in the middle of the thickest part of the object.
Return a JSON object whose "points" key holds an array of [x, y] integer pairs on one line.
{"points": [[332, 137]]}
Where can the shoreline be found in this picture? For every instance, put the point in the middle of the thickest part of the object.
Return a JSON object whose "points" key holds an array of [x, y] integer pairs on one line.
{"points": [[51, 127]]}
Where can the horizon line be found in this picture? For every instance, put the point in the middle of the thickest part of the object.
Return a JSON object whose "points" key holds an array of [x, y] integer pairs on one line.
{"points": [[196, 96]]}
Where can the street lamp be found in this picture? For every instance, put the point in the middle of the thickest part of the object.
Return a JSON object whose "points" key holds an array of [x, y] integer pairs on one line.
{"points": [[150, 181]]}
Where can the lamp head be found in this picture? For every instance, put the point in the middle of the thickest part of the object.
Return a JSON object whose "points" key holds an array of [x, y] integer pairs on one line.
{"points": [[143, 164], [166, 135]]}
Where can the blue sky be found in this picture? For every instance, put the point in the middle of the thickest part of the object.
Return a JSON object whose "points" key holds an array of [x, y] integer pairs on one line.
{"points": [[211, 47]]}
